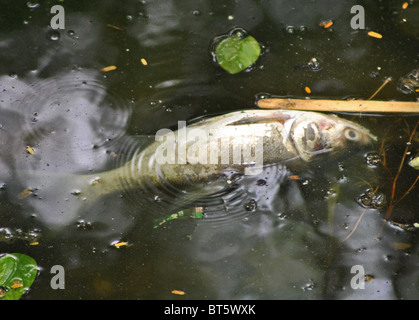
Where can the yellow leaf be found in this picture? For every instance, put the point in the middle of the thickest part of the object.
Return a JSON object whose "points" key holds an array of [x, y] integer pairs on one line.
{"points": [[30, 150]]}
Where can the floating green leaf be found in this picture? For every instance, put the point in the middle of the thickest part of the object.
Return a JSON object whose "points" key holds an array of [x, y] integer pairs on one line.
{"points": [[235, 54], [17, 273]]}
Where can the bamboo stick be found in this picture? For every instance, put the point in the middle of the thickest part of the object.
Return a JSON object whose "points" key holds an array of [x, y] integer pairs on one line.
{"points": [[340, 105]]}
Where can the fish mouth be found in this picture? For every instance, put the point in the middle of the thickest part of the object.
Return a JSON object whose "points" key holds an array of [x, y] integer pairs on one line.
{"points": [[312, 156]]}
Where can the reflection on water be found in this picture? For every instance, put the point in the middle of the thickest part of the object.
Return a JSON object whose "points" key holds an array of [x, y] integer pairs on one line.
{"points": [[69, 123], [271, 236]]}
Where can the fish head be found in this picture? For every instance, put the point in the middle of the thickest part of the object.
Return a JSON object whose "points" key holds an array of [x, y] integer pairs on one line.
{"points": [[315, 133]]}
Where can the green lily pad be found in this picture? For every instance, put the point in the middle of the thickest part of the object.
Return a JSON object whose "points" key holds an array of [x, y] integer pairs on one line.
{"points": [[17, 273], [235, 54]]}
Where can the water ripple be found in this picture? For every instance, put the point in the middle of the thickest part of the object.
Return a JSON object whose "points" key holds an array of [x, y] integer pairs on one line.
{"points": [[69, 119]]}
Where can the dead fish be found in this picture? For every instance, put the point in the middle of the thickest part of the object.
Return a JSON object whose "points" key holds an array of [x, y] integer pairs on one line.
{"points": [[205, 158], [208, 153]]}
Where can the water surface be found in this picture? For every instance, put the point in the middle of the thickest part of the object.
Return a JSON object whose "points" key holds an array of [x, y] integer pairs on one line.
{"points": [[273, 237]]}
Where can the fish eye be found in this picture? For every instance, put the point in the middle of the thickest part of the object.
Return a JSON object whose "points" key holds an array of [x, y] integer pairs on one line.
{"points": [[351, 134]]}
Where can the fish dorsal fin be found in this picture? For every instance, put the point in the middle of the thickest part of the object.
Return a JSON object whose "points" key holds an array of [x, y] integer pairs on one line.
{"points": [[270, 118]]}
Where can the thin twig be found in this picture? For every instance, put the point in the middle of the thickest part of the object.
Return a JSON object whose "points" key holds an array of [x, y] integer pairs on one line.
{"points": [[355, 227], [384, 157], [408, 190], [381, 87], [393, 190]]}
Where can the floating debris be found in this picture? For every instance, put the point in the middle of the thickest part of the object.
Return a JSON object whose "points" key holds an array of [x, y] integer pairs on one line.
{"points": [[251, 205], [375, 35], [373, 159], [30, 150], [16, 284], [195, 213], [8, 235], [372, 199], [84, 225], [410, 82], [312, 65], [199, 212], [326, 23], [179, 292], [115, 27], [24, 194], [381, 87], [401, 245], [109, 68], [402, 226], [96, 181], [76, 193], [119, 244], [368, 277]]}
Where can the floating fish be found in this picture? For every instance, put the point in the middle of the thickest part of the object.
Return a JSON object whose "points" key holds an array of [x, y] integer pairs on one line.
{"points": [[211, 151], [202, 159]]}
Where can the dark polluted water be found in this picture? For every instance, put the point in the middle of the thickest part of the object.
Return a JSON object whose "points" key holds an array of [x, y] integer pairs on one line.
{"points": [[88, 98]]}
